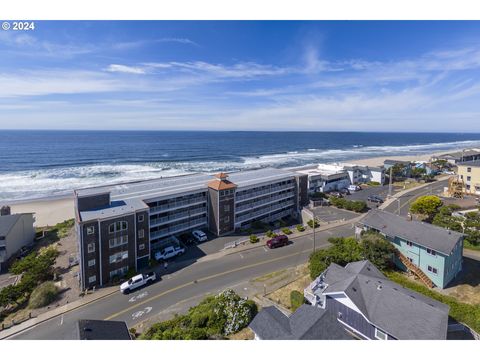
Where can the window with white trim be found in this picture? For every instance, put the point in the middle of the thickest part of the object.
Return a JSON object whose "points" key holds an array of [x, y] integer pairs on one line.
{"points": [[141, 234], [380, 335], [118, 241], [431, 252], [432, 269], [122, 255], [117, 226], [141, 247], [90, 230], [92, 279], [91, 248], [91, 262], [118, 272]]}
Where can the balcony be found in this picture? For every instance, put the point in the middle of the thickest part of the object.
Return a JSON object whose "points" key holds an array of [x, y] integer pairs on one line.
{"points": [[271, 190], [264, 211], [154, 235], [171, 218], [263, 202], [177, 205]]}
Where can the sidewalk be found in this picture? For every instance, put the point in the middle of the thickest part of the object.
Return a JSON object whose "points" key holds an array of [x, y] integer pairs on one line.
{"points": [[89, 298]]}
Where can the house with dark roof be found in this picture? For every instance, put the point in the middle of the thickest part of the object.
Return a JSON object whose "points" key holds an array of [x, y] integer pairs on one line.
{"points": [[433, 253], [306, 323], [16, 231], [102, 330], [365, 302]]}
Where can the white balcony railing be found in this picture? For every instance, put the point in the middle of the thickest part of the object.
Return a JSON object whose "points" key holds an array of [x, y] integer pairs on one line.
{"points": [[269, 200], [177, 205], [271, 190], [264, 211], [177, 228], [171, 218]]}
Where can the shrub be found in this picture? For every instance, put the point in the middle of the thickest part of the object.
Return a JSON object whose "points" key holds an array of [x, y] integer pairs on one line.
{"points": [[254, 239], [427, 205], [270, 234], [318, 195], [296, 300], [286, 231], [355, 205], [310, 223], [43, 295], [214, 318], [373, 183], [300, 227]]}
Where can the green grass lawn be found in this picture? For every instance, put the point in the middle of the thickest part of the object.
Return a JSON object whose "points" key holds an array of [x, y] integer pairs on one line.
{"points": [[462, 312]]}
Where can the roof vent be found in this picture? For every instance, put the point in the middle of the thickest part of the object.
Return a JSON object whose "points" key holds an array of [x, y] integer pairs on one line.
{"points": [[379, 287], [354, 289]]}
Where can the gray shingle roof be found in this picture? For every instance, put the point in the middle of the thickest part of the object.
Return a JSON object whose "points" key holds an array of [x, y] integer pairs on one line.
{"points": [[7, 222], [404, 314], [306, 323], [473, 163], [427, 235]]}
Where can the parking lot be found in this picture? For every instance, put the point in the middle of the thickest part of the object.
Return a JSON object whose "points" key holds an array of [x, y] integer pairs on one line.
{"points": [[330, 213]]}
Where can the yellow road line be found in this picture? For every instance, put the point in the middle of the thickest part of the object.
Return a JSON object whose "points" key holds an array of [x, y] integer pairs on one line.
{"points": [[203, 279]]}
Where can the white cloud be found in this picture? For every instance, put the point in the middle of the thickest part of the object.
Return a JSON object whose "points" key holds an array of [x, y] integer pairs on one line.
{"points": [[125, 69]]}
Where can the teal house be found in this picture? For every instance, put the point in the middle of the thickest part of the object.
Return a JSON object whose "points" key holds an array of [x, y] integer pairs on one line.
{"points": [[432, 253]]}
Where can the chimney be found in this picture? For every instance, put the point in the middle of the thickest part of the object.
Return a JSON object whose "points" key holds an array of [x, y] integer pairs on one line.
{"points": [[5, 210]]}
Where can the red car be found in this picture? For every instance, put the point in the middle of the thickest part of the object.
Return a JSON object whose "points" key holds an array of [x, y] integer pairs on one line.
{"points": [[277, 241]]}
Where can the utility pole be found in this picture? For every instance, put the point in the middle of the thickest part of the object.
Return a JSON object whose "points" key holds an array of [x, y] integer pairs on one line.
{"points": [[313, 233], [390, 183]]}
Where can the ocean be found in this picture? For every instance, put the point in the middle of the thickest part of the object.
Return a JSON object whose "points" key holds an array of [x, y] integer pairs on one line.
{"points": [[37, 164]]}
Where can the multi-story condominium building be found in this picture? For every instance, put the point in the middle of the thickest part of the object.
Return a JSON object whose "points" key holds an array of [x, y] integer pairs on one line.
{"points": [[325, 177], [469, 172], [433, 253], [121, 226], [372, 307], [16, 230]]}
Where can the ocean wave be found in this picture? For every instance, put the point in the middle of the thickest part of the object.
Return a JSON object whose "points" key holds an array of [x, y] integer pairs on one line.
{"points": [[58, 181]]}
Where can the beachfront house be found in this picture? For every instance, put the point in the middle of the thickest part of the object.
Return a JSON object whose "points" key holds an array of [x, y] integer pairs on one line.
{"points": [[361, 174], [406, 166], [369, 305], [469, 172], [16, 231], [432, 253], [306, 323], [325, 177]]}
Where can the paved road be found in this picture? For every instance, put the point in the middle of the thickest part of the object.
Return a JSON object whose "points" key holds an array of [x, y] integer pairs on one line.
{"points": [[198, 278], [402, 204]]}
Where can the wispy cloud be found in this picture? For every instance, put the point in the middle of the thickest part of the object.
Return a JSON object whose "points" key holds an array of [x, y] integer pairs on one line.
{"points": [[127, 45], [125, 69]]}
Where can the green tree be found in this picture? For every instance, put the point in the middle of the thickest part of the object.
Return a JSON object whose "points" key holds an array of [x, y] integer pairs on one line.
{"points": [[427, 205], [417, 173], [377, 250]]}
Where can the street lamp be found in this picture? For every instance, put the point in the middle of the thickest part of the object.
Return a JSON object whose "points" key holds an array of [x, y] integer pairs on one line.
{"points": [[314, 219]]}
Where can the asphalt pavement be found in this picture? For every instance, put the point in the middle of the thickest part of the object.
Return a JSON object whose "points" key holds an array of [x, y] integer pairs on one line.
{"points": [[197, 278]]}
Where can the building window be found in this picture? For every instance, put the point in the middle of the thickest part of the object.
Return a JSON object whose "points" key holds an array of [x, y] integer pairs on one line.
{"points": [[226, 208], [431, 252], [469, 178], [118, 272], [409, 243], [380, 335], [117, 226], [122, 255], [432, 269], [140, 218], [469, 169], [468, 186], [141, 247], [141, 234], [91, 262], [91, 248], [118, 241], [90, 230], [92, 279]]}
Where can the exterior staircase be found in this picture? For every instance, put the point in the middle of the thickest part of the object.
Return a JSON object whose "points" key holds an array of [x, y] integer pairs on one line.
{"points": [[414, 269]]}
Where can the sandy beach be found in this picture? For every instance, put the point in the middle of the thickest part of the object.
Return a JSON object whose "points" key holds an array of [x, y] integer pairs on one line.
{"points": [[52, 211]]}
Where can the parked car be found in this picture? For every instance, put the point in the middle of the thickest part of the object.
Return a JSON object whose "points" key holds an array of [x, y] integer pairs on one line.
{"points": [[354, 188], [335, 193], [375, 199], [199, 235], [169, 252], [138, 281], [277, 241]]}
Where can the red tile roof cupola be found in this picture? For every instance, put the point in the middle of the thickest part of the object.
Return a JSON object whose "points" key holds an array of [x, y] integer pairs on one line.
{"points": [[221, 182]]}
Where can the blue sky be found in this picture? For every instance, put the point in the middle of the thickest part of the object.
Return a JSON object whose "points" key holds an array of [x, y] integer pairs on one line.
{"points": [[275, 75]]}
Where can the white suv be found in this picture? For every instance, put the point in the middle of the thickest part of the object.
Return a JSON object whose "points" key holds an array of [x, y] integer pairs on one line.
{"points": [[199, 235]]}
